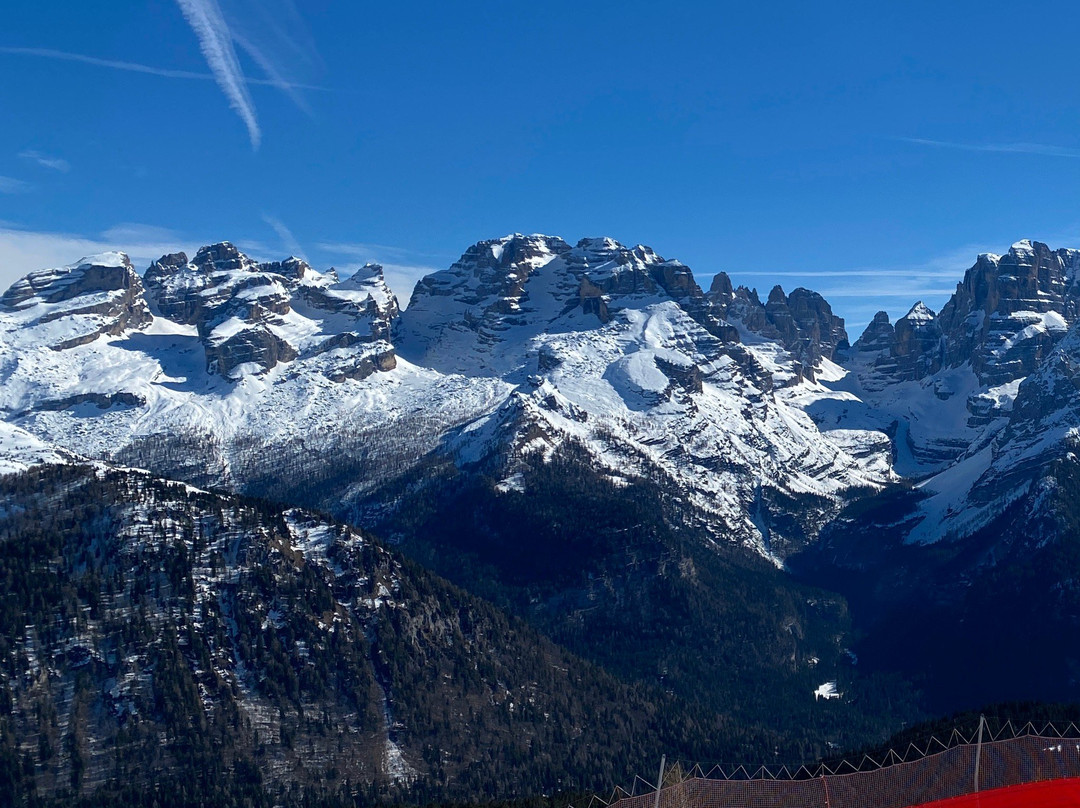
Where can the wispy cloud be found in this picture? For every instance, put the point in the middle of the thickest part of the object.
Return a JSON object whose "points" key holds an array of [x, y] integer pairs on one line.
{"points": [[402, 267], [869, 272], [288, 240], [856, 293], [270, 32], [23, 251], [137, 233], [46, 161], [215, 40], [365, 250], [1043, 149], [10, 185], [910, 294], [135, 67]]}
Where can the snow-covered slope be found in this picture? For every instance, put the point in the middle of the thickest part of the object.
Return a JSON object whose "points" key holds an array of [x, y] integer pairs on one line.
{"points": [[980, 396], [620, 350], [523, 344], [758, 415], [19, 450]]}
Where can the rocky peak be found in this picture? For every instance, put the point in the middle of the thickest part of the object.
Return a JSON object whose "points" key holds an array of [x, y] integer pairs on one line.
{"points": [[244, 311], [294, 268], [919, 314], [107, 272], [821, 331], [364, 295], [777, 296], [803, 322], [1010, 310], [607, 271], [721, 289], [99, 295], [492, 274], [605, 267], [461, 318], [779, 315], [878, 335], [916, 349], [223, 256]]}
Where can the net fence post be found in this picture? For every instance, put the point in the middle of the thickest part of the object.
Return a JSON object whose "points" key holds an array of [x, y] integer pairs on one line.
{"points": [[660, 781], [978, 751]]}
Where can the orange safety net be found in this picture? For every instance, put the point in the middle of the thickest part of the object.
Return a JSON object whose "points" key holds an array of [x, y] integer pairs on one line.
{"points": [[933, 779]]}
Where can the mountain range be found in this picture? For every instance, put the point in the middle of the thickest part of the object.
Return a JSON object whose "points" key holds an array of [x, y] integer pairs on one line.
{"points": [[708, 503]]}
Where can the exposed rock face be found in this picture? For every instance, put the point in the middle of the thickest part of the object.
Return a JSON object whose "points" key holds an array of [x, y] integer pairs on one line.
{"points": [[364, 295], [462, 318], [100, 295], [803, 322], [1010, 310], [878, 336], [608, 270], [1049, 397], [912, 349], [246, 313], [916, 346], [364, 365], [1004, 318]]}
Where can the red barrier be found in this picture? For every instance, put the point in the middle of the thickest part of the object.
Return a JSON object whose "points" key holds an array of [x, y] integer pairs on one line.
{"points": [[1011, 768], [1050, 794]]}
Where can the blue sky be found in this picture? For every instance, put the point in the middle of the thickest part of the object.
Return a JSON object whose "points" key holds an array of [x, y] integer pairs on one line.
{"points": [[865, 150]]}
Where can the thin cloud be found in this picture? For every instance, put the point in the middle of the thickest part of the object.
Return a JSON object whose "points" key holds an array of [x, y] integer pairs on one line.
{"points": [[366, 249], [136, 233], [857, 293], [401, 278], [270, 32], [215, 41], [23, 251], [10, 185], [917, 292], [402, 271], [135, 67], [288, 240], [869, 272], [1042, 149], [46, 161]]}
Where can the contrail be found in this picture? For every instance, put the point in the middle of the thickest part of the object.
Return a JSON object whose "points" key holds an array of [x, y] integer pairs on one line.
{"points": [[286, 236], [150, 70], [204, 16], [1044, 149], [275, 78]]}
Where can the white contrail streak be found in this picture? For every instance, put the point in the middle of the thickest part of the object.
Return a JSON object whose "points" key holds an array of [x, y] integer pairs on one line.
{"points": [[1044, 149], [274, 76], [150, 70], [205, 18], [288, 240]]}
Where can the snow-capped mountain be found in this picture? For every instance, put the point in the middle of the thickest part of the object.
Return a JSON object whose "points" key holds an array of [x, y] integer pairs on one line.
{"points": [[741, 408], [523, 344], [579, 433], [949, 386], [621, 350]]}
